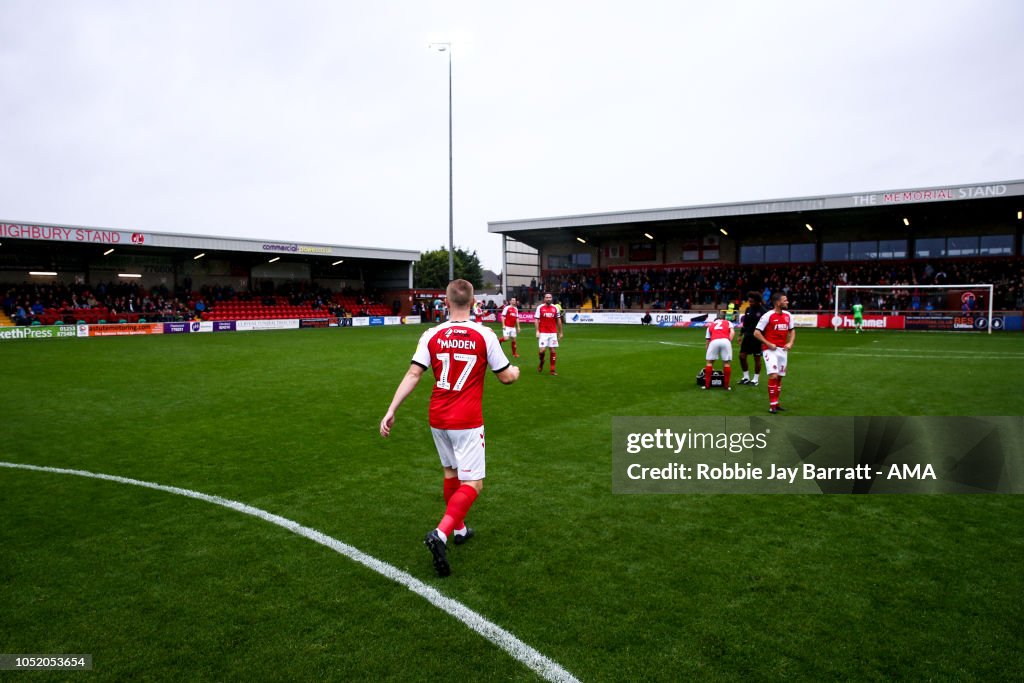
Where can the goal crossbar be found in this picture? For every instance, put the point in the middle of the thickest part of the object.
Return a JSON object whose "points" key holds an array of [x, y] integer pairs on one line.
{"points": [[892, 288]]}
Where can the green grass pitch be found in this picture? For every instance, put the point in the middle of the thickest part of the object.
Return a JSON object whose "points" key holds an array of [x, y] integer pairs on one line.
{"points": [[612, 587]]}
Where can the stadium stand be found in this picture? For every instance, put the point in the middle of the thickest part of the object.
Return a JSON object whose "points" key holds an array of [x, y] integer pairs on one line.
{"points": [[50, 304], [677, 287]]}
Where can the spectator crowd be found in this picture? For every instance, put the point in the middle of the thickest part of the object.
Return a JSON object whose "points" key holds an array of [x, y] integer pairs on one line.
{"points": [[808, 286], [27, 303]]}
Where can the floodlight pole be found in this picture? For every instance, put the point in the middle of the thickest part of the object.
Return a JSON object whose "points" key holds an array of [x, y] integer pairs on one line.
{"points": [[447, 47], [451, 186]]}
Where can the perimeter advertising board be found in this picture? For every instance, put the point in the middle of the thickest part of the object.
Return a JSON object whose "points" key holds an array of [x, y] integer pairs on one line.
{"points": [[597, 318], [318, 322], [871, 322], [945, 322], [253, 325], [125, 329], [956, 322], [38, 332], [186, 326]]}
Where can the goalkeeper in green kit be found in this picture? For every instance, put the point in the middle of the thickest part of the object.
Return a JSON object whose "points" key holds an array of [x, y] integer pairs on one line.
{"points": [[858, 316]]}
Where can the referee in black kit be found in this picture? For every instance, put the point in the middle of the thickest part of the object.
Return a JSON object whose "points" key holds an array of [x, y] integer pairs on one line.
{"points": [[749, 345]]}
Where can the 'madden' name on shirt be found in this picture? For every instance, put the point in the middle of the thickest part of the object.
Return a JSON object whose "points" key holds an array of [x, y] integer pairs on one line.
{"points": [[457, 344]]}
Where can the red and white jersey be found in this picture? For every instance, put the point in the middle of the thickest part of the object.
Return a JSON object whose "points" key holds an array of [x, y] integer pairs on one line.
{"points": [[720, 329], [509, 316], [775, 327], [459, 353], [547, 317]]}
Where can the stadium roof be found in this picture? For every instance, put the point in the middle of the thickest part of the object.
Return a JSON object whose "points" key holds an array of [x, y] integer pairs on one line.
{"points": [[76, 234], [904, 200]]}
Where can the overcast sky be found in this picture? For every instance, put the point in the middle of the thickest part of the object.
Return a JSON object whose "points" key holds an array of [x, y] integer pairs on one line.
{"points": [[327, 121]]}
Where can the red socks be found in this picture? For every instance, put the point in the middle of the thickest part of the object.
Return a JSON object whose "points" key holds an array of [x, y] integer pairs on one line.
{"points": [[553, 356], [514, 351], [451, 485], [709, 371], [774, 389], [458, 507]]}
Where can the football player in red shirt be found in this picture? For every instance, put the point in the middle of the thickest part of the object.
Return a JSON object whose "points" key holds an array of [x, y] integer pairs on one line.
{"points": [[718, 345], [510, 324], [459, 352], [547, 320], [776, 333]]}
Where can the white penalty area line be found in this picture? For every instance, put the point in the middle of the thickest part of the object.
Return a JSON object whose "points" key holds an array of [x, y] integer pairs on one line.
{"points": [[690, 346], [544, 666]]}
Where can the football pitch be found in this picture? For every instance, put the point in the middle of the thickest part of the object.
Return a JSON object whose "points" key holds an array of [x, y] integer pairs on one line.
{"points": [[610, 587]]}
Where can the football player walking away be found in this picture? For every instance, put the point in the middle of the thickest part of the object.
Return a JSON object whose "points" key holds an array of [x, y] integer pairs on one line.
{"points": [[858, 316], [776, 332], [458, 352], [547, 320], [510, 324], [718, 346]]}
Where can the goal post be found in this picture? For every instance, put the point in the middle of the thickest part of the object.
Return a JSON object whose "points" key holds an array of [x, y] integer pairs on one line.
{"points": [[901, 296]]}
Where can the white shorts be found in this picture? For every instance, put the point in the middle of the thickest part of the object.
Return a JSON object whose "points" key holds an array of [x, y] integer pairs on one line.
{"points": [[775, 361], [546, 340], [719, 349], [509, 332], [462, 450]]}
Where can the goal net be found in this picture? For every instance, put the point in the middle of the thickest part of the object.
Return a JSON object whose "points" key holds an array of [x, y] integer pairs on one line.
{"points": [[971, 303]]}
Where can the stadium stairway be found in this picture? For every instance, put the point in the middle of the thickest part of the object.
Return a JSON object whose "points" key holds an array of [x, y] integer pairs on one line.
{"points": [[5, 321]]}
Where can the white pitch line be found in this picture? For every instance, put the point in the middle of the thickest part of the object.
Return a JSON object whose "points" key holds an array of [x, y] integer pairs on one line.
{"points": [[933, 356], [895, 354], [544, 666]]}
